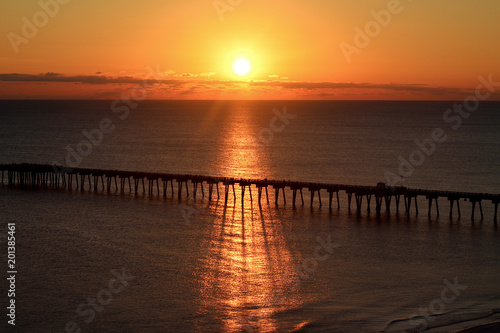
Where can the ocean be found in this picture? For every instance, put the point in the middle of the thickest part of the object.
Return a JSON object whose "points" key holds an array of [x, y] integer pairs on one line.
{"points": [[111, 262]]}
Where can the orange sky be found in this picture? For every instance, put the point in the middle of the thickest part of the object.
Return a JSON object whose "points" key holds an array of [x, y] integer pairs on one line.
{"points": [[298, 49]]}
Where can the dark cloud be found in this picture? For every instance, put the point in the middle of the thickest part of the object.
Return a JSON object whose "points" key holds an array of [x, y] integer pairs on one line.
{"points": [[87, 79], [304, 85], [340, 85], [50, 74]]}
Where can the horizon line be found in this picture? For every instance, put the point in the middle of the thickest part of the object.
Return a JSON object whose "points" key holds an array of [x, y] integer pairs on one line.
{"points": [[245, 100]]}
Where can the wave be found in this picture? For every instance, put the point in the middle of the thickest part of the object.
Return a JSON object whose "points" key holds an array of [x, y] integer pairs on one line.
{"points": [[423, 323]]}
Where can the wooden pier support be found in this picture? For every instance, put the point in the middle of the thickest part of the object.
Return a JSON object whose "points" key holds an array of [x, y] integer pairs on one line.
{"points": [[330, 192], [102, 182], [138, 179], [123, 180], [151, 185], [349, 197], [431, 198], [277, 192], [61, 178], [179, 189], [473, 201], [388, 199], [32, 179], [195, 188], [452, 201], [294, 192], [45, 177], [197, 183], [313, 190], [84, 176], [260, 187], [226, 185], [110, 179], [243, 186], [359, 202], [397, 197], [408, 198], [166, 180], [210, 189], [96, 181], [180, 184], [378, 203]]}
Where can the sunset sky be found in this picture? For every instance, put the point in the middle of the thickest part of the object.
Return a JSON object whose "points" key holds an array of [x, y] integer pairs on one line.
{"points": [[297, 49]]}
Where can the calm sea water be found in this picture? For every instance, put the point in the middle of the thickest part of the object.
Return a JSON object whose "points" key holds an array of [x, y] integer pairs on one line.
{"points": [[199, 266]]}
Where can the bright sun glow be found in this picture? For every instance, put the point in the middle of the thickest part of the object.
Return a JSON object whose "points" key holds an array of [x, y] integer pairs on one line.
{"points": [[241, 67]]}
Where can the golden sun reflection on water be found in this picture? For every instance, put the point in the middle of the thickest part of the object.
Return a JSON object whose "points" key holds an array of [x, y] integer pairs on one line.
{"points": [[239, 153], [247, 274]]}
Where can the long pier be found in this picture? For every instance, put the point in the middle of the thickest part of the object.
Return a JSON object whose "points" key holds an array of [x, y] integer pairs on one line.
{"points": [[42, 176]]}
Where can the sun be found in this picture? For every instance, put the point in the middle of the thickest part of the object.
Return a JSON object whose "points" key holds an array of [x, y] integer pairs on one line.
{"points": [[241, 66]]}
